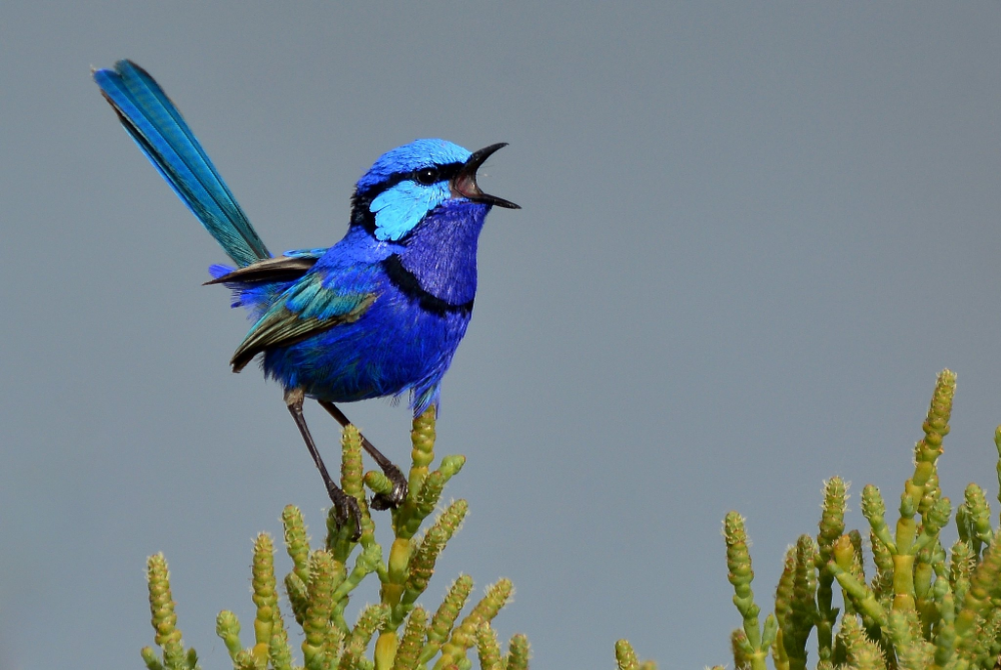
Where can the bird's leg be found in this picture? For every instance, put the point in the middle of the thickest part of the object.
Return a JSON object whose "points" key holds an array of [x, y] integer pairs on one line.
{"points": [[379, 501], [345, 507]]}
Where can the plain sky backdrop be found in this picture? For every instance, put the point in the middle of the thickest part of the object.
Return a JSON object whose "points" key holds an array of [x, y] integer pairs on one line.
{"points": [[752, 235]]}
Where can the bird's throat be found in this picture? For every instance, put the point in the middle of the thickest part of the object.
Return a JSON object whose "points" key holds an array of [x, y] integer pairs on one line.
{"points": [[441, 254]]}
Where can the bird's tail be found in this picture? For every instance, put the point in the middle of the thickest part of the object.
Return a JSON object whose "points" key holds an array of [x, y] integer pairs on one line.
{"points": [[158, 128]]}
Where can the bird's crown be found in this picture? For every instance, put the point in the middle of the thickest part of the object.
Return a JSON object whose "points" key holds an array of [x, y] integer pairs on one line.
{"points": [[402, 162]]}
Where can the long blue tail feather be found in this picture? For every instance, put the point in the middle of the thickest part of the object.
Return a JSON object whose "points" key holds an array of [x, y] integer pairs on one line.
{"points": [[157, 127]]}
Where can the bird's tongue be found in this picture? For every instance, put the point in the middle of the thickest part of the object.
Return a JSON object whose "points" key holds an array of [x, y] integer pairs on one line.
{"points": [[464, 186]]}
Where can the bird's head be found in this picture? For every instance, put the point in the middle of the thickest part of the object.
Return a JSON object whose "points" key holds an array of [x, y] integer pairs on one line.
{"points": [[410, 181]]}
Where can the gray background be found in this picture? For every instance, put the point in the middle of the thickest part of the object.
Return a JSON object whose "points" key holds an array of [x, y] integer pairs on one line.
{"points": [[751, 236]]}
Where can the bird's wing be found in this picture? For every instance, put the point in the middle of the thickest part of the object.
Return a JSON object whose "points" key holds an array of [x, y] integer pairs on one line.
{"points": [[305, 309], [281, 269]]}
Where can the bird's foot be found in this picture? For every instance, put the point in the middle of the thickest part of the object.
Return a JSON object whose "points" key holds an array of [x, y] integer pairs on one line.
{"points": [[346, 511], [394, 498], [380, 501]]}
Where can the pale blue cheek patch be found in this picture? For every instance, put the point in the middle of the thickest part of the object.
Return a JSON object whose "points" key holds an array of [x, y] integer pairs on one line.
{"points": [[399, 209]]}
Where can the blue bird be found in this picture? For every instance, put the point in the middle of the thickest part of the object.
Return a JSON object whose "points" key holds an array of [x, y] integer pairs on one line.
{"points": [[380, 313]]}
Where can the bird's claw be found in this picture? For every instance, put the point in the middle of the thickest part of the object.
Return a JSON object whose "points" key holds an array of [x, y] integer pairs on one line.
{"points": [[346, 511], [395, 498]]}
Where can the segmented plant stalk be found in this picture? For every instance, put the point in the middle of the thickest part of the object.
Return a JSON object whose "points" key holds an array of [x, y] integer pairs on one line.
{"points": [[322, 580]]}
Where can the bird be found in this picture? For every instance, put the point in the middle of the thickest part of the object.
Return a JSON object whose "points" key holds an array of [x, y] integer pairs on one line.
{"points": [[378, 314]]}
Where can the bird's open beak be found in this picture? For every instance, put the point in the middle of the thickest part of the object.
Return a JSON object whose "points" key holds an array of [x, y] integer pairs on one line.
{"points": [[464, 184]]}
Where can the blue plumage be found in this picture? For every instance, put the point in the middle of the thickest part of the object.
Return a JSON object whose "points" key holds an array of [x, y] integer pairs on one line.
{"points": [[381, 312], [160, 131]]}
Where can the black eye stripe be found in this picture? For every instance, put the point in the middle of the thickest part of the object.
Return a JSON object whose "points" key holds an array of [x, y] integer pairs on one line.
{"points": [[435, 173], [361, 201], [446, 171]]}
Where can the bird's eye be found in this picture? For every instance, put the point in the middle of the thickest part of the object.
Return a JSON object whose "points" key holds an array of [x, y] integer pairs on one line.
{"points": [[426, 176]]}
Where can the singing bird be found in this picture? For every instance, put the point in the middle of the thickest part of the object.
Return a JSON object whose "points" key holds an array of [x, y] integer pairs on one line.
{"points": [[379, 313]]}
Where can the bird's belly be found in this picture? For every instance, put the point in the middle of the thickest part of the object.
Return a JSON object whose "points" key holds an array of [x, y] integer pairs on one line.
{"points": [[396, 346]]}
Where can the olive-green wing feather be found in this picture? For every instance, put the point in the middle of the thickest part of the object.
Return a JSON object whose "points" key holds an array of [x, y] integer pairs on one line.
{"points": [[280, 269], [305, 309]]}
